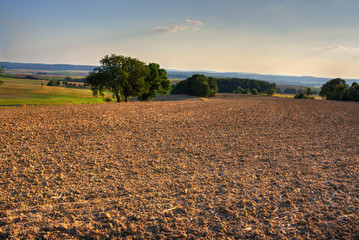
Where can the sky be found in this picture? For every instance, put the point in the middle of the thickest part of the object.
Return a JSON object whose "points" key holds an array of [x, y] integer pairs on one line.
{"points": [[287, 37]]}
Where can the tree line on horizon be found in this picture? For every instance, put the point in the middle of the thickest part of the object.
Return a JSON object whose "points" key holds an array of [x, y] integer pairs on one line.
{"points": [[198, 85], [202, 86], [1, 71], [127, 77], [245, 86]]}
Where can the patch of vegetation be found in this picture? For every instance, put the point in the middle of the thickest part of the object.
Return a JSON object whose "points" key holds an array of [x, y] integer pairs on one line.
{"points": [[240, 90], [67, 82], [35, 92], [127, 77], [338, 89], [156, 83], [1, 71], [290, 91], [54, 83], [197, 85], [229, 85], [31, 77], [306, 94]]}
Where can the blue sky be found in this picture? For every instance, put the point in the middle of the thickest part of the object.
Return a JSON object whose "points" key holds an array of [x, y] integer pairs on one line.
{"points": [[293, 37]]}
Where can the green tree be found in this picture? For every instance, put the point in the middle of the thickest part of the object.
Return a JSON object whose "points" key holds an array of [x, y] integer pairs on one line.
{"points": [[290, 91], [254, 91], [308, 92], [54, 83], [198, 85], [212, 86], [229, 85], [353, 92], [246, 91], [238, 90], [1, 71], [155, 83], [333, 89], [305, 94], [66, 81], [122, 76], [272, 90], [182, 87], [300, 95]]}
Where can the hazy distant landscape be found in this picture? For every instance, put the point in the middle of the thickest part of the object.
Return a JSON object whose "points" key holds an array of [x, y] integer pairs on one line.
{"points": [[27, 84], [307, 81]]}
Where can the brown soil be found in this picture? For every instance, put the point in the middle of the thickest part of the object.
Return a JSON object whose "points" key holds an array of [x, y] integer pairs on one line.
{"points": [[232, 167]]}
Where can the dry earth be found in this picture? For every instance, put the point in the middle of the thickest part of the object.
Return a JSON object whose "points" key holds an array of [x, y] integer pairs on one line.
{"points": [[232, 167]]}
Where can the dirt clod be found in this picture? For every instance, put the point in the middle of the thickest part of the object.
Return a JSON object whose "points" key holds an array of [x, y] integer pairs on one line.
{"points": [[233, 167]]}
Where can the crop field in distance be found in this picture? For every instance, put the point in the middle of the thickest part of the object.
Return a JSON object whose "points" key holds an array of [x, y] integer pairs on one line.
{"points": [[18, 92]]}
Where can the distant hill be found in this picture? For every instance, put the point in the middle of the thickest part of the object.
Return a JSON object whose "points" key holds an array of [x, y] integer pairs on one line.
{"points": [[307, 81], [46, 67], [177, 74]]}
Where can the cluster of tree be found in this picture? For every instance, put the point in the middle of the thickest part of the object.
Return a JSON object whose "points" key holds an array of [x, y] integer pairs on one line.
{"points": [[338, 89], [293, 91], [31, 77], [54, 83], [240, 90], [79, 80], [127, 77], [68, 82], [305, 94], [229, 85], [65, 83], [22, 76], [197, 85], [1, 71], [289, 91]]}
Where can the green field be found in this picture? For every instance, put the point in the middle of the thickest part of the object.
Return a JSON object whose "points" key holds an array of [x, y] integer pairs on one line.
{"points": [[287, 95], [18, 92]]}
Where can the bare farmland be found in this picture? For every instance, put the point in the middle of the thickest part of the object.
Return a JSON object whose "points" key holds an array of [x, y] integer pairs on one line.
{"points": [[230, 167]]}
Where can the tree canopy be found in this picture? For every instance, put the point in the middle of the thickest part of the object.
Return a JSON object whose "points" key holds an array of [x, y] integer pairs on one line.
{"points": [[198, 85], [53, 82], [127, 77], [305, 94], [352, 94], [155, 83], [338, 89], [1, 71], [333, 89], [229, 85]]}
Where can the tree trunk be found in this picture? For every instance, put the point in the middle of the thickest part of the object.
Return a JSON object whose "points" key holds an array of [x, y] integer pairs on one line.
{"points": [[118, 97]]}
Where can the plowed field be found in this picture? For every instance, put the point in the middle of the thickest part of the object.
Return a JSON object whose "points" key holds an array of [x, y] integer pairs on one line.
{"points": [[231, 167]]}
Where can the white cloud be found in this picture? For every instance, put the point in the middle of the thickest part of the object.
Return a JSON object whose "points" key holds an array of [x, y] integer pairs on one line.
{"points": [[170, 29], [178, 28], [336, 47], [195, 22], [195, 29]]}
